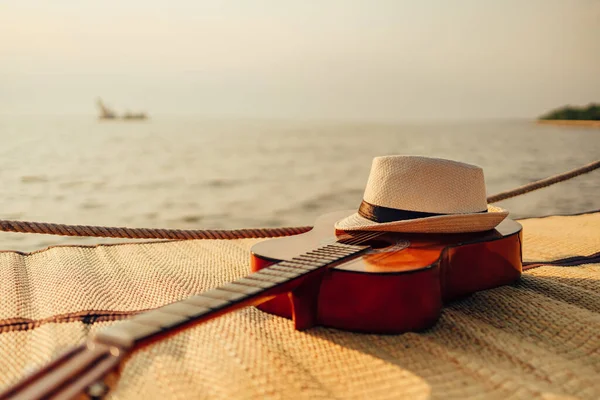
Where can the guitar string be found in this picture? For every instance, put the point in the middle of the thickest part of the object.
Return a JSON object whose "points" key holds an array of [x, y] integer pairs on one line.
{"points": [[361, 238], [369, 236], [355, 240]]}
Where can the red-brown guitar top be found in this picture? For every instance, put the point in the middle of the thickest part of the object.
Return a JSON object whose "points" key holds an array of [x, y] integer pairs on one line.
{"points": [[398, 286]]}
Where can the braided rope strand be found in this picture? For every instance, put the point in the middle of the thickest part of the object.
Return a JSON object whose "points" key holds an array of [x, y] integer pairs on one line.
{"points": [[145, 233], [530, 187]]}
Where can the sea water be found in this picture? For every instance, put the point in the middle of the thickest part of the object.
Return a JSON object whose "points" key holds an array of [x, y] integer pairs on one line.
{"points": [[194, 173]]}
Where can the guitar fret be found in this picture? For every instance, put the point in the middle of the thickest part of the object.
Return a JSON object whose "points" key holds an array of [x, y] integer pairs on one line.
{"points": [[269, 271], [223, 294], [309, 257], [343, 256], [311, 264], [328, 257], [269, 278], [201, 300], [325, 259], [332, 253], [314, 259], [240, 288], [321, 255], [157, 319], [125, 334], [184, 310], [293, 270], [313, 253], [346, 248], [256, 283], [333, 248], [297, 265], [326, 250], [335, 252]]}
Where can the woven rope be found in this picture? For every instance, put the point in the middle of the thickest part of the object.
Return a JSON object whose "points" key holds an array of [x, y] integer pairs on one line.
{"points": [[530, 187], [144, 233], [152, 233]]}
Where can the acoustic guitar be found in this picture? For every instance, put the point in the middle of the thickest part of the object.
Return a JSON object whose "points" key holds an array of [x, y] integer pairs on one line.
{"points": [[376, 282]]}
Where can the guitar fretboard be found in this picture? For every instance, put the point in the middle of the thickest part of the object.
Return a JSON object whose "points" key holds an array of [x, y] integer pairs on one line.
{"points": [[239, 293]]}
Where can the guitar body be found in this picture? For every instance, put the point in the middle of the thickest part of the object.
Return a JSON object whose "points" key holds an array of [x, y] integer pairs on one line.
{"points": [[400, 285]]}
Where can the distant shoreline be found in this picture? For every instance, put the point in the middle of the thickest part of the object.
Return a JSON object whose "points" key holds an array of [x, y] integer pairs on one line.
{"points": [[570, 122]]}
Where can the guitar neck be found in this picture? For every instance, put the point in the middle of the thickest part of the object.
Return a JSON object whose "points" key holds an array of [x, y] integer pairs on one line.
{"points": [[250, 290], [87, 368]]}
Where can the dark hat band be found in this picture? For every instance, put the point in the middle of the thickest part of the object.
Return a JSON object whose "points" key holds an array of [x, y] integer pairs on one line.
{"points": [[386, 214]]}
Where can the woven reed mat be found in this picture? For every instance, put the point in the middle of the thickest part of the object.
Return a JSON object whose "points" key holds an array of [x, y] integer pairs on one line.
{"points": [[538, 338]]}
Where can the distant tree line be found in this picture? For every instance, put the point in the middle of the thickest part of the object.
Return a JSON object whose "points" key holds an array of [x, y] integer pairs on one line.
{"points": [[589, 113]]}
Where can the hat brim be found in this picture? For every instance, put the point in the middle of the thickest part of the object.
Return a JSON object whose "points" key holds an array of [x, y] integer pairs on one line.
{"points": [[451, 223]]}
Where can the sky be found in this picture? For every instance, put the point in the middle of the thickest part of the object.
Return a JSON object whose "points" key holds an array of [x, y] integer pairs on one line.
{"points": [[326, 59]]}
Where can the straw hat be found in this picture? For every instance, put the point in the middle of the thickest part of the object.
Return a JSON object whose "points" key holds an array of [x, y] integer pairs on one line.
{"points": [[424, 195]]}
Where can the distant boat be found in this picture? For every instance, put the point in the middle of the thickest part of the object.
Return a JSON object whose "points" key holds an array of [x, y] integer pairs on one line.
{"points": [[130, 115], [107, 113]]}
